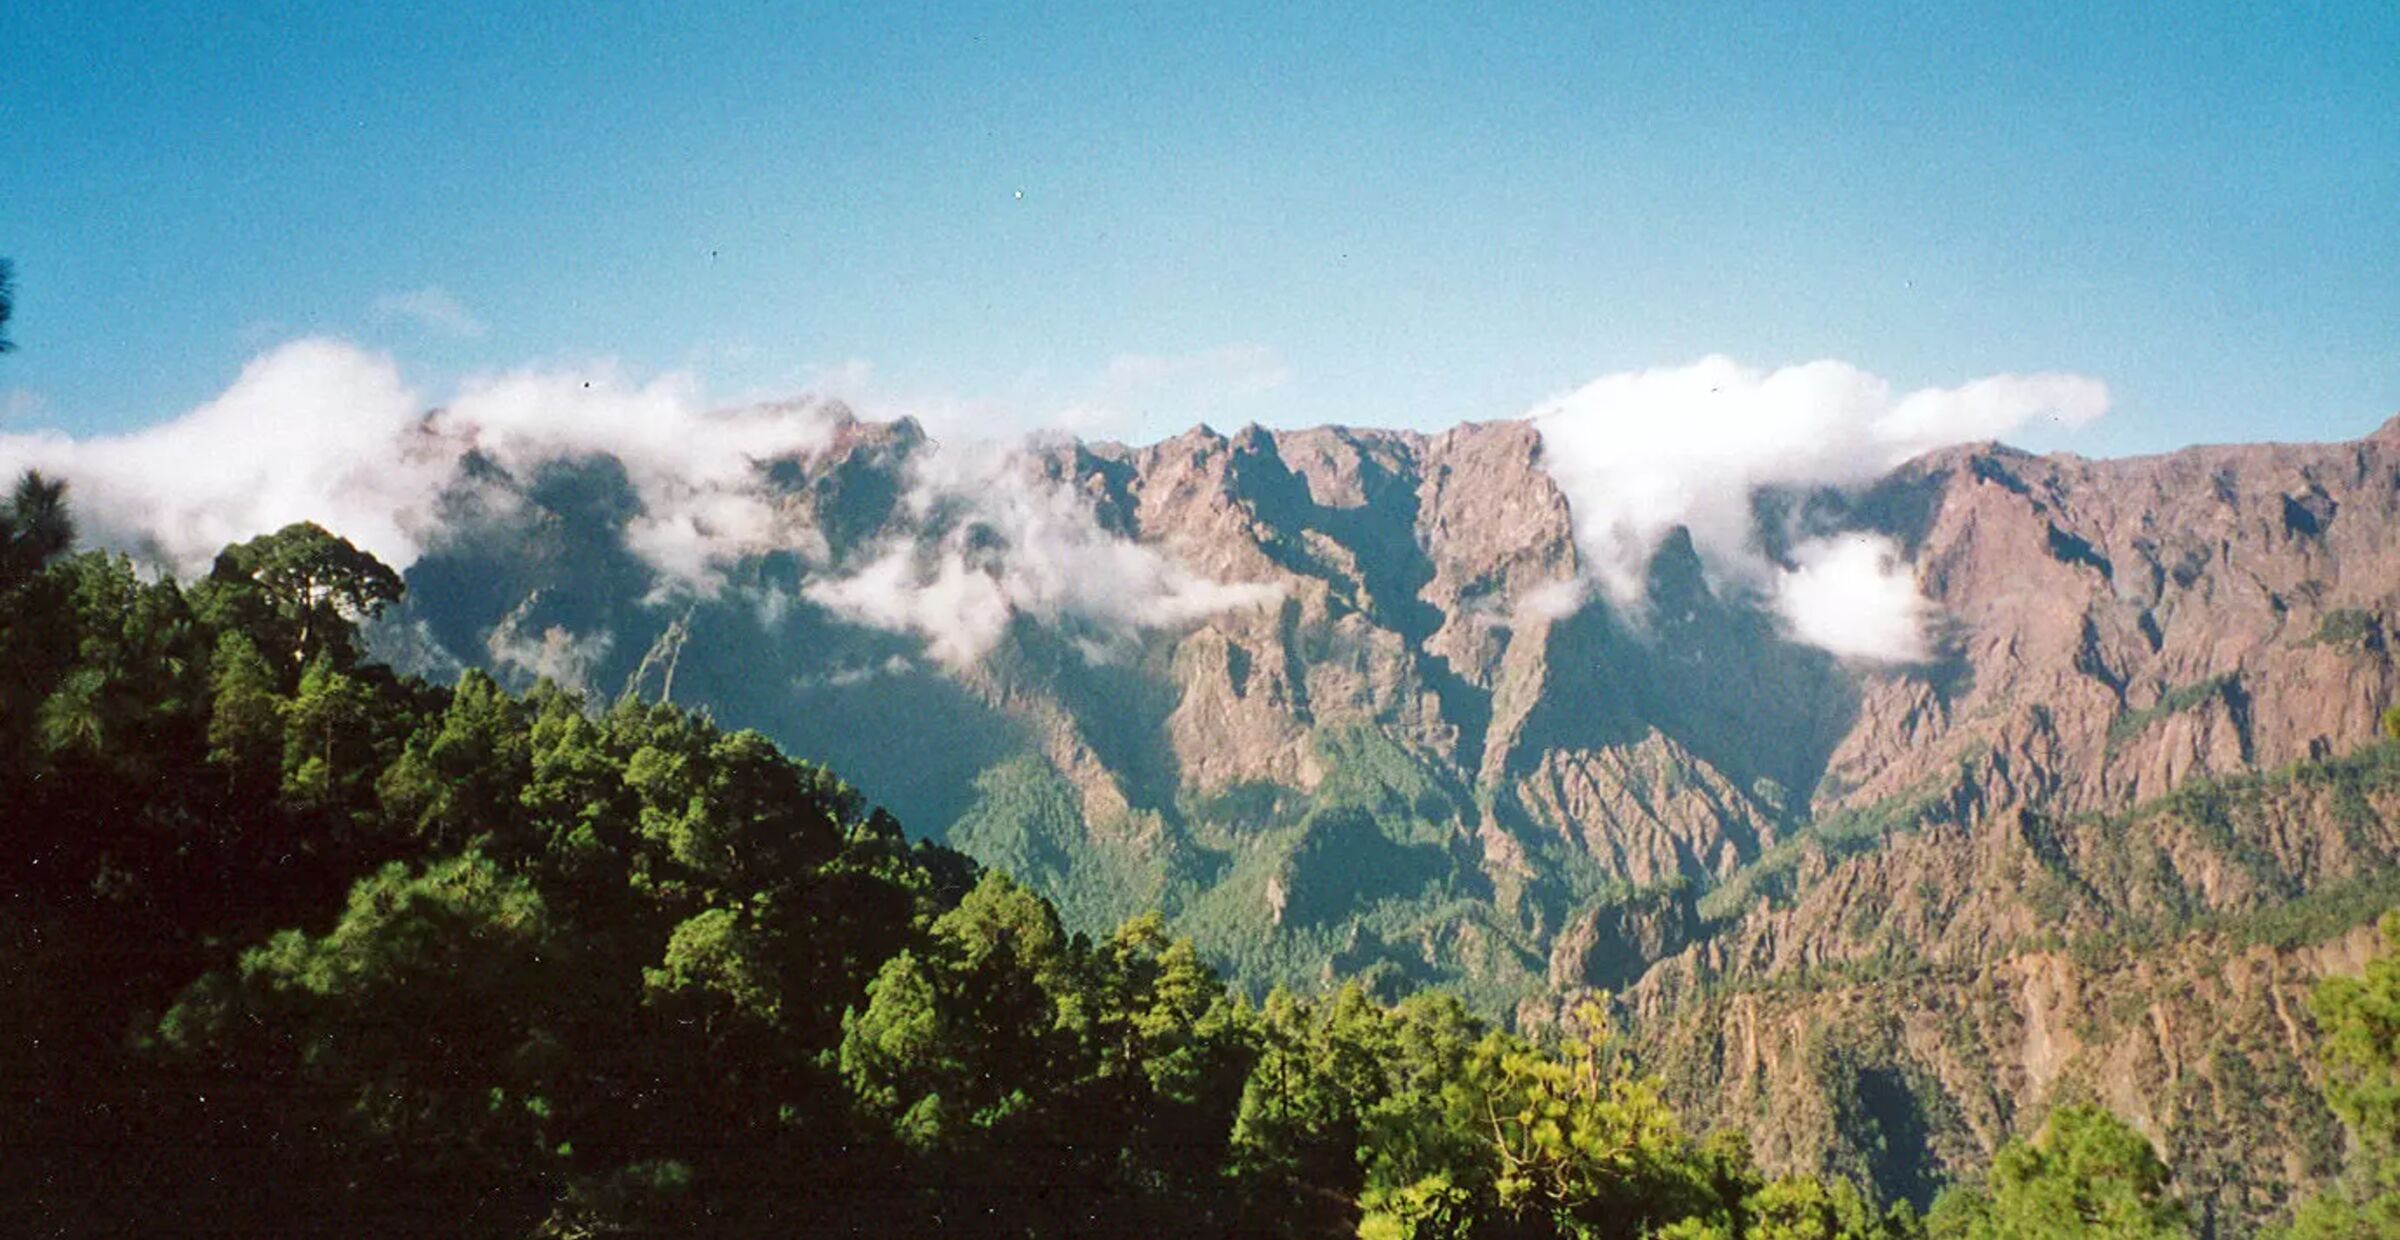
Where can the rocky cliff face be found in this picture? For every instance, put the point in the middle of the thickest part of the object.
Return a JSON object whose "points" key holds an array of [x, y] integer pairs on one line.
{"points": [[1338, 702], [1906, 1079]]}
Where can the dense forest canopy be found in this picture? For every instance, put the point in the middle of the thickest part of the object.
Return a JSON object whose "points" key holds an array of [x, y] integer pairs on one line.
{"points": [[296, 945]]}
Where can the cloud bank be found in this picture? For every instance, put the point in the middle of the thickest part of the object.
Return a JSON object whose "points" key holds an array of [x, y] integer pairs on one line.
{"points": [[321, 430], [1640, 453], [314, 431], [993, 540], [693, 467], [1854, 595], [556, 654]]}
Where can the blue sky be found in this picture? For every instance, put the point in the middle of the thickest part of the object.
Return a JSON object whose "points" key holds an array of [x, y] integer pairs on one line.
{"points": [[1389, 215]]}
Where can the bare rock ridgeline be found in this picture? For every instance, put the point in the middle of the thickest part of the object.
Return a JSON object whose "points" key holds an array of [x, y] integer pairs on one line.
{"points": [[2104, 632], [2013, 873]]}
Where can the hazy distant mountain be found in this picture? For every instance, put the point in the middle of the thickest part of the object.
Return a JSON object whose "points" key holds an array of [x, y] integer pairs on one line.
{"points": [[1343, 703]]}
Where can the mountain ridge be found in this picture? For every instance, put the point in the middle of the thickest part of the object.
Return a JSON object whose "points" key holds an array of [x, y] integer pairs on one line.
{"points": [[1348, 703]]}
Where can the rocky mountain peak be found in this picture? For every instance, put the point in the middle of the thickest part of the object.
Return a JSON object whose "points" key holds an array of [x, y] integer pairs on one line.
{"points": [[1345, 702]]}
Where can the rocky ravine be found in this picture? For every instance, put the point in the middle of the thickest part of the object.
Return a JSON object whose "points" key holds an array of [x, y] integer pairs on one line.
{"points": [[1412, 757]]}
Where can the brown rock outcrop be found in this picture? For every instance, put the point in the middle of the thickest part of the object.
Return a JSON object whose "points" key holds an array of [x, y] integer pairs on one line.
{"points": [[1525, 791]]}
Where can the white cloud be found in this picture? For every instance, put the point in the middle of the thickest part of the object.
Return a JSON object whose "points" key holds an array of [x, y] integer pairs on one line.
{"points": [[993, 540], [432, 308], [321, 430], [1641, 452], [847, 675], [1855, 596], [932, 592], [566, 659], [316, 430], [694, 468], [1989, 408]]}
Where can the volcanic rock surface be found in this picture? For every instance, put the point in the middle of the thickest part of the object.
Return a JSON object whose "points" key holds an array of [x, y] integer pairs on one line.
{"points": [[1401, 742]]}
